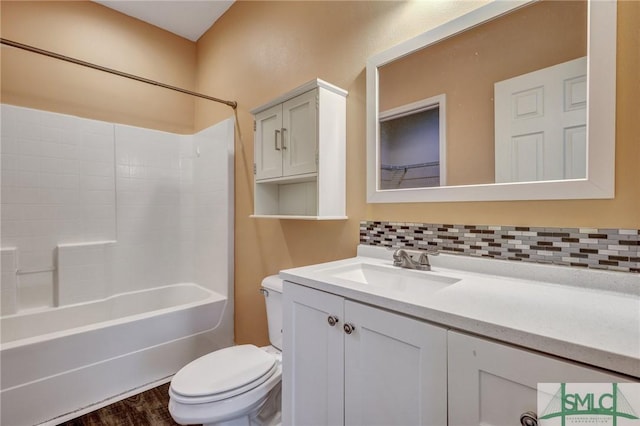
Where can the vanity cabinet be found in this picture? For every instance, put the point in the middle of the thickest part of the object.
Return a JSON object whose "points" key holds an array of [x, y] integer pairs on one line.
{"points": [[299, 154], [346, 363], [494, 384]]}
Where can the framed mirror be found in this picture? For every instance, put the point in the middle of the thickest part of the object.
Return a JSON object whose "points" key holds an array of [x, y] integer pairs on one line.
{"points": [[512, 101]]}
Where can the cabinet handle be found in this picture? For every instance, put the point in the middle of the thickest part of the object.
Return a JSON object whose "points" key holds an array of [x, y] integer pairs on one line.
{"points": [[332, 320], [349, 328], [283, 145], [276, 139], [529, 419]]}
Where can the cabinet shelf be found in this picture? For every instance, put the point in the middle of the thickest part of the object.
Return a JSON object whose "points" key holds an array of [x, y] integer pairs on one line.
{"points": [[297, 217], [299, 154], [283, 180]]}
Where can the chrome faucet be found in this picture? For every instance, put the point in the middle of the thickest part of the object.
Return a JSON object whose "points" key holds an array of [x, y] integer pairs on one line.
{"points": [[403, 259]]}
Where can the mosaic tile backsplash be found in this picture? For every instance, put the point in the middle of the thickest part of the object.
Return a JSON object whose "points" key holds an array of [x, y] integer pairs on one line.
{"points": [[610, 249]]}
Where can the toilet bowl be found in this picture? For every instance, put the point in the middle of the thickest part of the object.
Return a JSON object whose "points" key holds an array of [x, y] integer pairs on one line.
{"points": [[238, 385]]}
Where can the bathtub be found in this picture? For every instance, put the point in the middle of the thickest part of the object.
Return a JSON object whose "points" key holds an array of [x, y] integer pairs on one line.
{"points": [[62, 362]]}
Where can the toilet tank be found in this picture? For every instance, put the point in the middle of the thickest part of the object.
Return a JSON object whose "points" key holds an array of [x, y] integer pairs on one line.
{"points": [[272, 291]]}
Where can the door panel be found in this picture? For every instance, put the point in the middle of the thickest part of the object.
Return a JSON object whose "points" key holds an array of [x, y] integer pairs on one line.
{"points": [[575, 148], [492, 384], [268, 149], [313, 362], [527, 157], [300, 133], [395, 369]]}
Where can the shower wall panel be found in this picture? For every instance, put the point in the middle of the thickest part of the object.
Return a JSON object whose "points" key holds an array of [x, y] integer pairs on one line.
{"points": [[213, 232], [57, 187], [91, 209], [152, 239]]}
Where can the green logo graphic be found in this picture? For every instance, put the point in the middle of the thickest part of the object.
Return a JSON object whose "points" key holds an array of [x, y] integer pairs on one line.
{"points": [[565, 404]]}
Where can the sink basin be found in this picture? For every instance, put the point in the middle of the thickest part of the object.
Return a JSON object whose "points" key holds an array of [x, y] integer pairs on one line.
{"points": [[392, 278]]}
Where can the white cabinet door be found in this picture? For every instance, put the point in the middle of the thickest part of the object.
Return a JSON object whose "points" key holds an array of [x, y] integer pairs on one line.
{"points": [[300, 134], [287, 138], [391, 370], [313, 358], [492, 384], [395, 369], [268, 146]]}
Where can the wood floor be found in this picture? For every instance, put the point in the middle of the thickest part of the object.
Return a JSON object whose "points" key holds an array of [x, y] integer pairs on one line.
{"points": [[147, 408]]}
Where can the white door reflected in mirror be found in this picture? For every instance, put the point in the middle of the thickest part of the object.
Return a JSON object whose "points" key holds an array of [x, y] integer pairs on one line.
{"points": [[540, 124]]}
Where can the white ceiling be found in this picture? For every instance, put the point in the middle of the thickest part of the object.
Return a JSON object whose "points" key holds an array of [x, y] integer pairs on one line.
{"points": [[186, 18]]}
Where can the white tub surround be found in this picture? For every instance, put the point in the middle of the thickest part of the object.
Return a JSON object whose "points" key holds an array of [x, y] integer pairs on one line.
{"points": [[38, 326], [117, 259], [84, 272], [8, 277], [61, 360], [91, 209], [588, 316]]}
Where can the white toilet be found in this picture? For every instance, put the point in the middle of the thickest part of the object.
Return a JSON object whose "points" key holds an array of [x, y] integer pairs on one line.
{"points": [[235, 386]]}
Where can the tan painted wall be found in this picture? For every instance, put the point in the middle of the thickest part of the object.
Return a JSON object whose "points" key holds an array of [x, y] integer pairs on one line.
{"points": [[94, 33], [465, 68], [259, 50]]}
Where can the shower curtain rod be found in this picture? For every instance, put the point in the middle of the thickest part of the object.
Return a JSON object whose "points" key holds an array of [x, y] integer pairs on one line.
{"points": [[232, 104]]}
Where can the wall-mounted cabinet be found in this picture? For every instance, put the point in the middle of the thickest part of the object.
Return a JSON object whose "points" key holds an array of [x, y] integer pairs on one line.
{"points": [[299, 154]]}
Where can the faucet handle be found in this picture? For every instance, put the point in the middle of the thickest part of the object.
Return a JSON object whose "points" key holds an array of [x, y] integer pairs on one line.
{"points": [[423, 260], [398, 255]]}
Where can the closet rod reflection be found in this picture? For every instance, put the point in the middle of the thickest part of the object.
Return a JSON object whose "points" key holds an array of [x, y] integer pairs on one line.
{"points": [[232, 104]]}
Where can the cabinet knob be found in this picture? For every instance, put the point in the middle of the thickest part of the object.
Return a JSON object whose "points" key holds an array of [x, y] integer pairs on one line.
{"points": [[349, 328], [333, 320], [529, 419]]}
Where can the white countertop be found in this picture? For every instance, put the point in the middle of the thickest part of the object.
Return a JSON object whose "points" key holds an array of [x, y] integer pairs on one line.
{"points": [[590, 316]]}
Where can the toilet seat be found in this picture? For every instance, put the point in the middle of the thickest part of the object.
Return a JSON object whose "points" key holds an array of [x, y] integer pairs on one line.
{"points": [[222, 374], [245, 405]]}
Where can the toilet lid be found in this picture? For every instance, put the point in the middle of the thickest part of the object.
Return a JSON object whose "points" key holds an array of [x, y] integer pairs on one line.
{"points": [[223, 371]]}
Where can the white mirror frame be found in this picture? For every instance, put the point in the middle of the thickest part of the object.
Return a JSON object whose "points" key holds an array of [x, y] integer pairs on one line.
{"points": [[601, 103]]}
